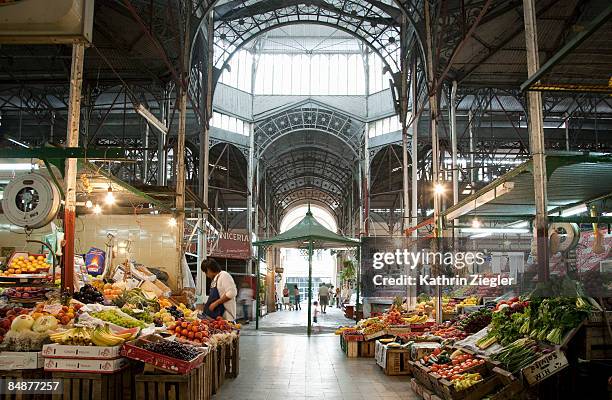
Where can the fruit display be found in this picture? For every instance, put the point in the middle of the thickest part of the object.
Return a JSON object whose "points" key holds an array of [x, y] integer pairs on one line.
{"points": [[194, 331], [136, 298], [119, 319], [22, 294], [174, 349], [88, 295], [86, 336], [464, 381], [163, 317], [468, 302], [24, 264], [416, 319], [450, 333], [458, 365], [111, 291]]}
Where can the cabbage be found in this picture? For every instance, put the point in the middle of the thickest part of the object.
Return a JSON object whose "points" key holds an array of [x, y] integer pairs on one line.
{"points": [[22, 323], [45, 323]]}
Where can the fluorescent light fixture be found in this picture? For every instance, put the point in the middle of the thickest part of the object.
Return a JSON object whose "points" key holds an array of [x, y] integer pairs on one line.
{"points": [[17, 142], [518, 224], [151, 119], [607, 214], [480, 235], [18, 167], [221, 167], [494, 230], [579, 209], [484, 198]]}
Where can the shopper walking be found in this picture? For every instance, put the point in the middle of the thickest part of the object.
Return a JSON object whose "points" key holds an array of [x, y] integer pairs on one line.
{"points": [[331, 295], [315, 318], [245, 297], [222, 297], [323, 297], [286, 297], [338, 297], [296, 294]]}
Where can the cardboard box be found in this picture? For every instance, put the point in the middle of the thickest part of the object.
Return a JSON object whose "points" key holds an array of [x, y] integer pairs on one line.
{"points": [[12, 360], [79, 365], [420, 350], [81, 352]]}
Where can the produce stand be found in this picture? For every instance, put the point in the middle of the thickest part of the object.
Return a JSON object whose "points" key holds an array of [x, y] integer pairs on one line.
{"points": [[514, 348]]}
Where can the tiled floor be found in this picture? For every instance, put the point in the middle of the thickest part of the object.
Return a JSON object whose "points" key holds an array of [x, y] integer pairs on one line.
{"points": [[292, 367]]}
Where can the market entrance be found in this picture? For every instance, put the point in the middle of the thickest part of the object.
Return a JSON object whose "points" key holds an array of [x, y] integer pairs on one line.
{"points": [[306, 288]]}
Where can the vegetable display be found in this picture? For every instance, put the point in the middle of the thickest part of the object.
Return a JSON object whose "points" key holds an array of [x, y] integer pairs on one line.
{"points": [[114, 317], [476, 321], [518, 354], [173, 349]]}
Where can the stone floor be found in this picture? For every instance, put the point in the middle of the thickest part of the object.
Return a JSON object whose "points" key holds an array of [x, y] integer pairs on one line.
{"points": [[291, 367], [296, 322]]}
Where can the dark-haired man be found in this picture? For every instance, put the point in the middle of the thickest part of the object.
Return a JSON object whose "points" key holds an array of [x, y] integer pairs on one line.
{"points": [[223, 291]]}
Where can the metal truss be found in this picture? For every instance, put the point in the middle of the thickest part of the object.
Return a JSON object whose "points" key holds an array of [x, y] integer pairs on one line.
{"points": [[375, 23], [309, 116], [325, 174]]}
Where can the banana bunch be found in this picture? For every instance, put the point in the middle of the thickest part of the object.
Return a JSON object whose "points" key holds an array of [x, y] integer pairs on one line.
{"points": [[416, 319], [82, 336], [78, 336], [103, 336], [466, 380]]}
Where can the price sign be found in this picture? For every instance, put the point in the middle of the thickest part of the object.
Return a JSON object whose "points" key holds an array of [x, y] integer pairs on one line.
{"points": [[544, 367]]}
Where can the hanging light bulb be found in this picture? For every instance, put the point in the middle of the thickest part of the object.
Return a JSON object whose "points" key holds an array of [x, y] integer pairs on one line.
{"points": [[97, 209], [88, 204], [110, 197], [438, 189], [172, 222]]}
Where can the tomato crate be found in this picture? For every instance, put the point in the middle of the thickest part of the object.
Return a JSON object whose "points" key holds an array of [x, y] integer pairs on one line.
{"points": [[134, 351], [366, 349]]}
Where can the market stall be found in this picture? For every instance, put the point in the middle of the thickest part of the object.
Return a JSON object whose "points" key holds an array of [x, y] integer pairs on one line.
{"points": [[510, 349], [118, 330]]}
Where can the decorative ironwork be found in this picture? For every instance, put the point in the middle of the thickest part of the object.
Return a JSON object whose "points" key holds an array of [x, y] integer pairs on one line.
{"points": [[377, 24]]}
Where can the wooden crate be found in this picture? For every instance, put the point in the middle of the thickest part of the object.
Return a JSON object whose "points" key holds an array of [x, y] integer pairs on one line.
{"points": [[232, 358], [366, 349], [597, 342], [476, 392], [77, 385], [24, 374], [397, 362], [195, 385], [218, 376]]}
